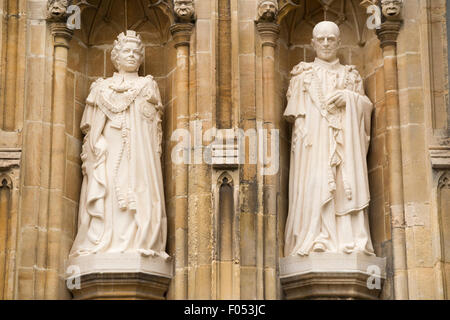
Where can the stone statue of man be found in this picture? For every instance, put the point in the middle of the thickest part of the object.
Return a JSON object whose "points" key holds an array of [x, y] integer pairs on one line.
{"points": [[328, 182], [122, 197]]}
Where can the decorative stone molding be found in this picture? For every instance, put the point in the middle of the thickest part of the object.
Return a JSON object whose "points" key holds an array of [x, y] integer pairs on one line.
{"points": [[181, 33], [62, 34], [440, 157], [225, 156], [119, 276], [332, 276], [269, 32], [388, 32], [9, 158]]}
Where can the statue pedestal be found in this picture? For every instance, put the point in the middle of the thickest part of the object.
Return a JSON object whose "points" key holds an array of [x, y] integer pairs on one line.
{"points": [[332, 276], [118, 276]]}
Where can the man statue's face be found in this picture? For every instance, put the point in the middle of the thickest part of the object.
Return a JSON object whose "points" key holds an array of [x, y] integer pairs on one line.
{"points": [[326, 43], [129, 57]]}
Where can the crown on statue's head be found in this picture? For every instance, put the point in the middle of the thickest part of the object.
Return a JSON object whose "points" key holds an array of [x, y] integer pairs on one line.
{"points": [[129, 35]]}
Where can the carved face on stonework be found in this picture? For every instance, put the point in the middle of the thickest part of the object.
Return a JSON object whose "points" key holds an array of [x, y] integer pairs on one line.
{"points": [[128, 52], [326, 40], [267, 10], [57, 8], [391, 8], [184, 9]]}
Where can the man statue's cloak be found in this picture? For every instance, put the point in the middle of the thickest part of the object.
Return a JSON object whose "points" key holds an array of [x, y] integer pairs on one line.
{"points": [[328, 153]]}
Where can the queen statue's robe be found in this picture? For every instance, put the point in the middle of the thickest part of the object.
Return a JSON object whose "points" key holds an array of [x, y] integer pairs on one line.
{"points": [[328, 182], [122, 198]]}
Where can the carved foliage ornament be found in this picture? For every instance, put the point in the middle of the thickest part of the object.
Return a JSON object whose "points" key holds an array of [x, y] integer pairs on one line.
{"points": [[267, 10], [391, 8], [57, 10], [184, 10]]}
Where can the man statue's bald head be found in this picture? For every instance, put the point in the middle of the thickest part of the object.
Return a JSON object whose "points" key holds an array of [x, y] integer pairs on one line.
{"points": [[326, 40], [327, 25]]}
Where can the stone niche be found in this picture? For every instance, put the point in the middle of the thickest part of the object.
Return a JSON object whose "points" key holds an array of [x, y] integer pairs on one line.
{"points": [[360, 47], [89, 58]]}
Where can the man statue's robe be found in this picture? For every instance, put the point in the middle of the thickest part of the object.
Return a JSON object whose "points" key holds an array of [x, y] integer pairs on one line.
{"points": [[328, 183], [122, 205]]}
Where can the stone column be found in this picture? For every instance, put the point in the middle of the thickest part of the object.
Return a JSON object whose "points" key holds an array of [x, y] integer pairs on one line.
{"points": [[388, 34], [181, 33], [267, 226], [61, 36], [11, 66], [9, 197]]}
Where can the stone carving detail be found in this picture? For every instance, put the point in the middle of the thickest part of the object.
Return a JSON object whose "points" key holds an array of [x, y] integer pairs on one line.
{"points": [[267, 10], [391, 8], [122, 198], [184, 10], [328, 188], [57, 10]]}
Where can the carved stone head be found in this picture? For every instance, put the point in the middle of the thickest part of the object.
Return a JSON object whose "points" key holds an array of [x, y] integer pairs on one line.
{"points": [[184, 10], [326, 40], [267, 10], [57, 9], [391, 8], [128, 52]]}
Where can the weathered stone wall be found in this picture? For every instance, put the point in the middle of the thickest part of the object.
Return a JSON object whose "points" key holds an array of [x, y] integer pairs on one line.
{"points": [[50, 174]]}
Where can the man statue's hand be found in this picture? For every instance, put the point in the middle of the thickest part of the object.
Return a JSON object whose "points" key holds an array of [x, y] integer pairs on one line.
{"points": [[337, 98]]}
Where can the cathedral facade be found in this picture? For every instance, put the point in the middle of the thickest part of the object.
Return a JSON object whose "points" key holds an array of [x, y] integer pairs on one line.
{"points": [[223, 69]]}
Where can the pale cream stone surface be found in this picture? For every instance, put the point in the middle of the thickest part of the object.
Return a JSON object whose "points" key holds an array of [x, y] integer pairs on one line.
{"points": [[122, 208], [328, 179], [407, 159], [332, 276]]}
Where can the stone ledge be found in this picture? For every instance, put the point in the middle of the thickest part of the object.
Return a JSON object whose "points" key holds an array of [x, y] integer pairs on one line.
{"points": [[330, 276], [440, 157], [121, 276]]}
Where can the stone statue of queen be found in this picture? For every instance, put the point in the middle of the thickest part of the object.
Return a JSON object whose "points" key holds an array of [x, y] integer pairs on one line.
{"points": [[122, 197]]}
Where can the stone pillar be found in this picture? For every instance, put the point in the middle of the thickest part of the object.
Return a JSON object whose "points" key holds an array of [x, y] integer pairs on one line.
{"points": [[9, 198], [181, 33], [267, 254], [388, 34], [62, 36], [11, 66]]}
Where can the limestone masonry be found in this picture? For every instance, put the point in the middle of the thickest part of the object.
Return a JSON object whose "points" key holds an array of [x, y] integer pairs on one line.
{"points": [[219, 149]]}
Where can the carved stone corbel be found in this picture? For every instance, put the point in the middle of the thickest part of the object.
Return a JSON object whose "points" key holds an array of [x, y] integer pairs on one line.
{"points": [[267, 11], [57, 16], [391, 22], [391, 9], [57, 10], [266, 22], [184, 11]]}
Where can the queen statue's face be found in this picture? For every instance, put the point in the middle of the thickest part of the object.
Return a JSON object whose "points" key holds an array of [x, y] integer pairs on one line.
{"points": [[129, 57], [326, 43]]}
